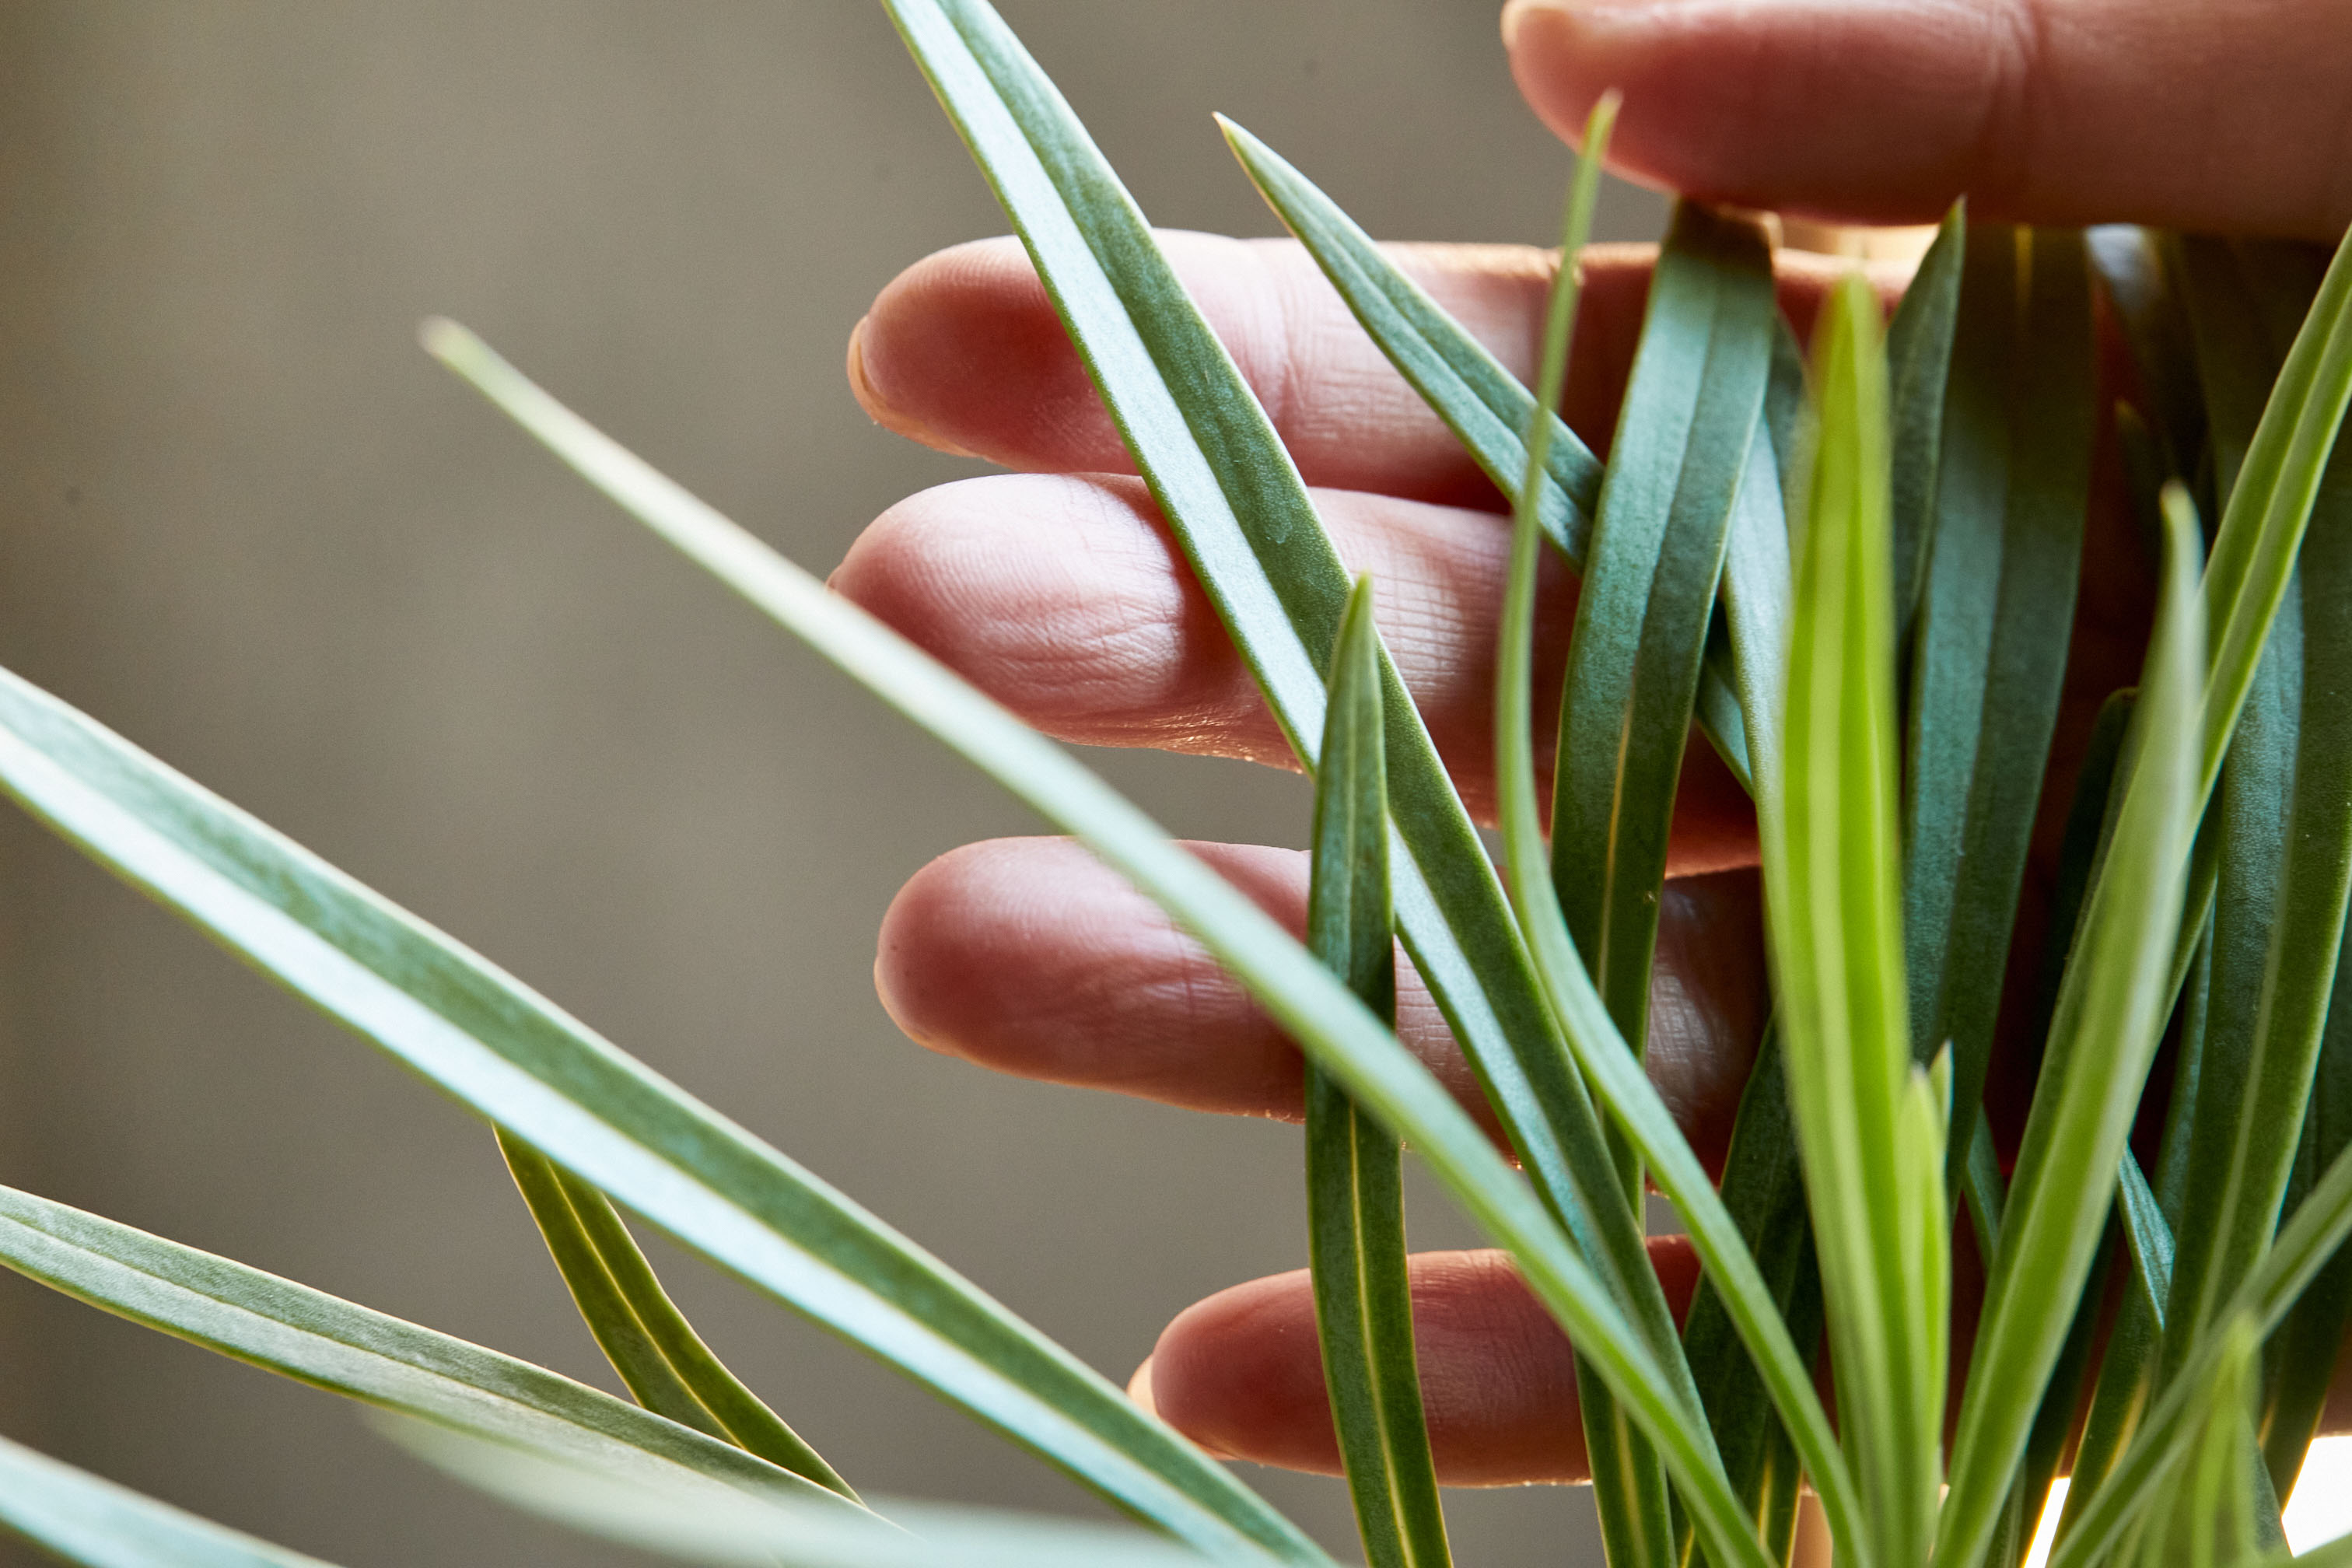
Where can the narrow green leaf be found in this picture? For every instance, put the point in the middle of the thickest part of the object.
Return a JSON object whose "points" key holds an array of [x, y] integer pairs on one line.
{"points": [[2216, 1509], [2120, 1392], [1631, 1522], [1481, 402], [1764, 1193], [2110, 1016], [2054, 1424], [1354, 1179], [2262, 1299], [2294, 1394], [648, 1341], [1314, 1007], [489, 1040], [644, 1370], [1242, 516], [2148, 1236], [1997, 612], [77, 1518], [2217, 1238], [1690, 418], [1833, 913], [306, 1335], [1918, 359]]}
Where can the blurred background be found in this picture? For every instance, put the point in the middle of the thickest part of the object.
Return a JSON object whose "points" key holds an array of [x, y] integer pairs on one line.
{"points": [[245, 521]]}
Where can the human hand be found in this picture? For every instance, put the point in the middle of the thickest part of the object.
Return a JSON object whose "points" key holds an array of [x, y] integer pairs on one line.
{"points": [[1059, 591]]}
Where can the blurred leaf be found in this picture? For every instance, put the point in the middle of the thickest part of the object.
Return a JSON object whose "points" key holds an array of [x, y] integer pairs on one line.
{"points": [[1242, 516], [2120, 1391], [648, 1341], [315, 1338], [2129, 265], [520, 1061], [2013, 489], [2261, 1301], [1764, 1193], [1834, 917], [77, 1518], [1466, 387], [743, 1533], [2312, 1334], [1354, 1179], [1334, 1028]]}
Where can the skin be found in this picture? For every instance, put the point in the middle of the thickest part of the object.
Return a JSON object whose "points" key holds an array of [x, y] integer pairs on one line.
{"points": [[1056, 589]]}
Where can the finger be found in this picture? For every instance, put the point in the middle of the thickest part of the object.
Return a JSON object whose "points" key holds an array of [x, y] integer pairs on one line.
{"points": [[1030, 957], [964, 352], [1063, 598], [1241, 1374], [2201, 114]]}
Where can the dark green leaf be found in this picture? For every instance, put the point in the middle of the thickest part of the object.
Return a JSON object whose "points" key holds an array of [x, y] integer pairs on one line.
{"points": [[1764, 1192], [1918, 360], [1690, 419], [1998, 607], [2086, 1113], [1354, 1179], [648, 1341]]}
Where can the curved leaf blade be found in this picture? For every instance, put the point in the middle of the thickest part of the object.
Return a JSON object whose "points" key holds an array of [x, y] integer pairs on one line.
{"points": [[306, 1335], [656, 1353]]}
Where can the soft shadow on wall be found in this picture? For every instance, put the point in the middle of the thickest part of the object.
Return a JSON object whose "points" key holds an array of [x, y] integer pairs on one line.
{"points": [[249, 524]]}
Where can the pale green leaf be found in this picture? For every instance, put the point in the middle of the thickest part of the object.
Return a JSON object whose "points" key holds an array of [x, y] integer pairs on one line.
{"points": [[1834, 910], [79, 1517]]}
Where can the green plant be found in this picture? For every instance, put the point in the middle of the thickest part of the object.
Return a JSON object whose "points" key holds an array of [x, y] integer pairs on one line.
{"points": [[1858, 583]]}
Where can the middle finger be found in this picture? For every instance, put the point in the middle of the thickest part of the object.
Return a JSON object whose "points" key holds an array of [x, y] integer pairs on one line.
{"points": [[1065, 597]]}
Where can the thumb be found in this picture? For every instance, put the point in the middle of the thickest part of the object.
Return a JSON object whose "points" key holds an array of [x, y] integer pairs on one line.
{"points": [[2217, 115]]}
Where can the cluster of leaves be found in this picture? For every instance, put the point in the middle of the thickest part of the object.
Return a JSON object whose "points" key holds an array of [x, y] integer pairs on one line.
{"points": [[1859, 581]]}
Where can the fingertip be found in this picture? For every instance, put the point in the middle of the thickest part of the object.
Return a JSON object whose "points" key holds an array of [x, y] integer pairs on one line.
{"points": [[881, 408]]}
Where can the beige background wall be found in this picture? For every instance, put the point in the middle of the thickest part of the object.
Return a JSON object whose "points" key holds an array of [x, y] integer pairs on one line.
{"points": [[243, 519]]}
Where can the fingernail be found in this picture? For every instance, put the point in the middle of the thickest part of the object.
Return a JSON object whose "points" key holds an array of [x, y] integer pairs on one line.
{"points": [[1518, 11], [879, 408], [1139, 1387]]}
